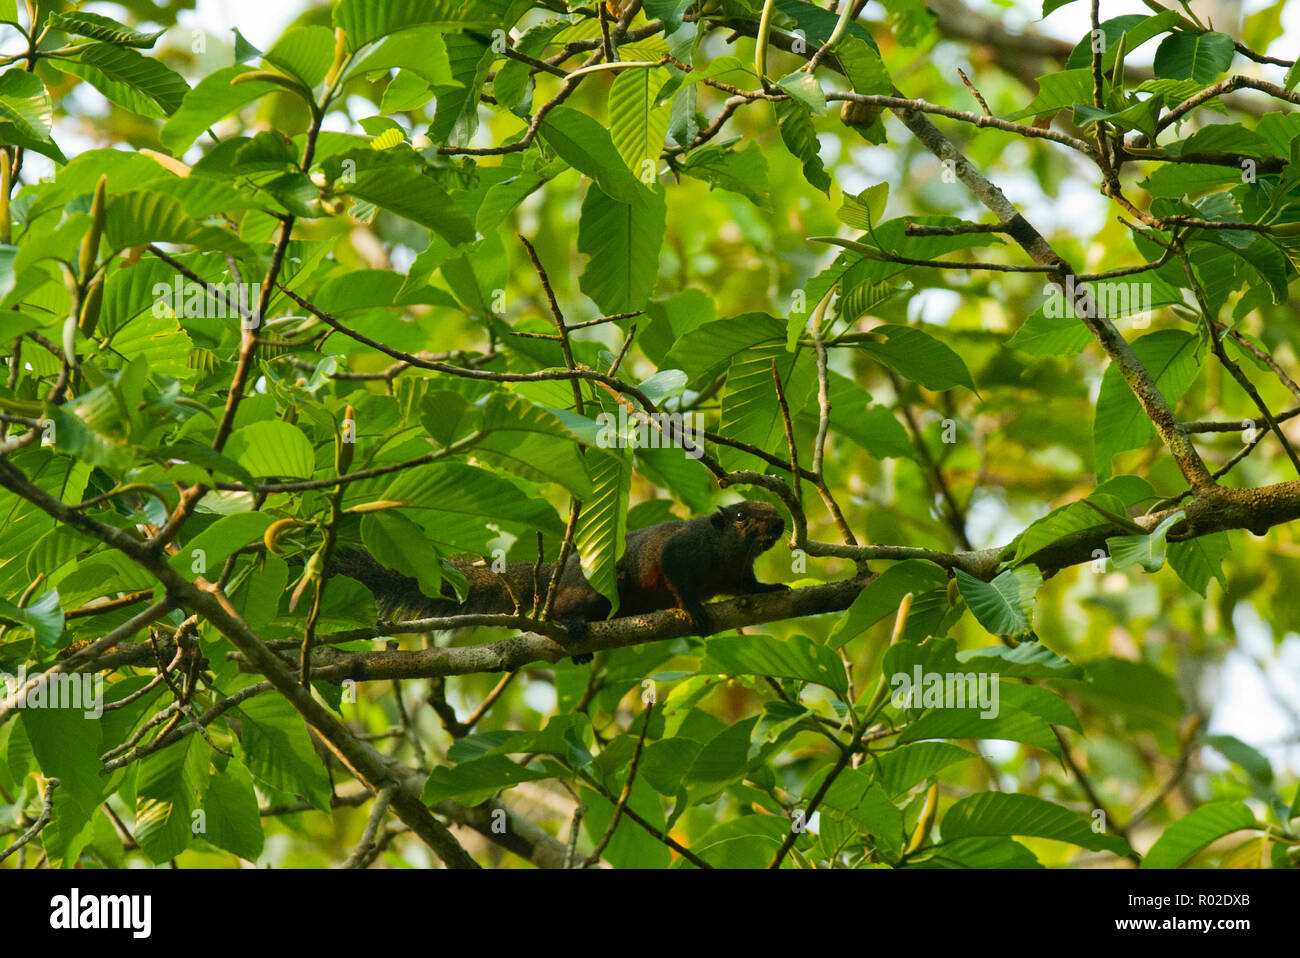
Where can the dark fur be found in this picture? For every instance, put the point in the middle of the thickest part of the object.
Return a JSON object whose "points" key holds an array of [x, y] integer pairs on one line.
{"points": [[679, 564]]}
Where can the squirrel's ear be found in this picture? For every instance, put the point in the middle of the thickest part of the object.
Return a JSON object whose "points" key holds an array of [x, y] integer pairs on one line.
{"points": [[719, 518]]}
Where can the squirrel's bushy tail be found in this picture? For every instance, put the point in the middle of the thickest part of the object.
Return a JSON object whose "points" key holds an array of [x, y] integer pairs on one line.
{"points": [[398, 597]]}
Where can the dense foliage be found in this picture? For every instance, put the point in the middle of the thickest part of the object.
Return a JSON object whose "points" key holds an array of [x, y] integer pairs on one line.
{"points": [[511, 278]]}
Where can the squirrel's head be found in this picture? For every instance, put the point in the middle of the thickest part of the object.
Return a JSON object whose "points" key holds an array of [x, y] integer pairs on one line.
{"points": [[755, 523]]}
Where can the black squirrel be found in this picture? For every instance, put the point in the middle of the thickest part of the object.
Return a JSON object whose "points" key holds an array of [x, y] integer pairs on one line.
{"points": [[679, 564]]}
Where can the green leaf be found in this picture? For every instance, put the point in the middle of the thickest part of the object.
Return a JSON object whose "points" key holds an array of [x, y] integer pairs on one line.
{"points": [[1137, 688], [1043, 335], [98, 27], [139, 217], [129, 79], [1147, 551], [273, 448], [531, 442], [864, 211], [586, 146], [867, 806], [708, 346], [631, 846], [66, 745], [746, 842], [1002, 813], [1198, 560], [622, 241], [1004, 606], [1056, 91], [918, 356], [231, 812], [603, 524], [800, 138], [472, 783], [168, 788], [399, 544], [1171, 357], [741, 171], [214, 98], [26, 113], [803, 86], [365, 21], [1195, 56], [1239, 753], [1028, 660], [901, 768], [1010, 725], [210, 548], [42, 617], [1197, 829], [750, 410], [469, 59], [305, 53], [882, 598], [796, 658], [1077, 518], [637, 123], [276, 749], [418, 50]]}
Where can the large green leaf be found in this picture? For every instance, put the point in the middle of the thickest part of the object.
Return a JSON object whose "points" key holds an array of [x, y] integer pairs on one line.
{"points": [[918, 356], [587, 147], [214, 97], [603, 525], [473, 783], [1195, 56], [1114, 496], [796, 658], [1147, 550], [168, 790], [231, 814], [1001, 813], [365, 21], [304, 52], [130, 79], [399, 544], [1197, 829], [741, 171], [273, 448], [206, 552], [882, 598], [276, 748], [139, 217], [1198, 560], [622, 241], [1009, 725], [26, 113], [637, 122], [531, 442], [800, 137], [99, 27], [1171, 358], [1004, 606]]}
